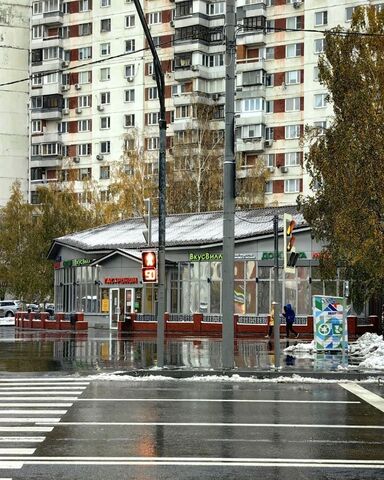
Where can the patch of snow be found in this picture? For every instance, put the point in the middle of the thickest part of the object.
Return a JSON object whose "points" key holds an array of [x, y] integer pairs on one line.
{"points": [[301, 347], [369, 349], [7, 322]]}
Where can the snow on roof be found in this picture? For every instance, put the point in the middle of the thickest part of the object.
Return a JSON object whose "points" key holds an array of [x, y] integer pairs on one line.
{"points": [[181, 229]]}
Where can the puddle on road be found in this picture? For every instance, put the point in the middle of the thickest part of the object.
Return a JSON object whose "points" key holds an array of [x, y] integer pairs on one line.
{"points": [[22, 351]]}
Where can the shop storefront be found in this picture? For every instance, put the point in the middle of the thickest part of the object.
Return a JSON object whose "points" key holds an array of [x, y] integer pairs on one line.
{"points": [[106, 283]]}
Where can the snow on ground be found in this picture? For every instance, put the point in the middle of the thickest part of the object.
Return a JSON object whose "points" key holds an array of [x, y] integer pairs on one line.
{"points": [[7, 321], [367, 352]]}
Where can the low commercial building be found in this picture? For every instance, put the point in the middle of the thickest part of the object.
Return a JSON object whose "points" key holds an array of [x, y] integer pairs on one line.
{"points": [[98, 271]]}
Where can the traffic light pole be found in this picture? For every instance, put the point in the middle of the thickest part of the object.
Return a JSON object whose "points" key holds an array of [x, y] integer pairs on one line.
{"points": [[159, 75], [276, 327], [229, 187]]}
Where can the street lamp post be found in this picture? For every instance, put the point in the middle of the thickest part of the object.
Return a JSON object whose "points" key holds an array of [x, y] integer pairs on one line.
{"points": [[159, 76]]}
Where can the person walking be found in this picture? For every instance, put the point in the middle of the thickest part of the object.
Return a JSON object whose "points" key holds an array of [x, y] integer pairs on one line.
{"points": [[271, 322], [289, 315]]}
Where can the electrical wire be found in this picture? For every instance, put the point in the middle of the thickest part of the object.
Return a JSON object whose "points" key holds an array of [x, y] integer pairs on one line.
{"points": [[264, 222], [309, 30]]}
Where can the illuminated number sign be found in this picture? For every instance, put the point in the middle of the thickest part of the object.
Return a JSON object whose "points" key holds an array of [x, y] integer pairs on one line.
{"points": [[149, 266]]}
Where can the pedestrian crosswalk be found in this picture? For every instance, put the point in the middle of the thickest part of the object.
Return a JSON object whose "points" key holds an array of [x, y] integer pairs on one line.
{"points": [[29, 409]]}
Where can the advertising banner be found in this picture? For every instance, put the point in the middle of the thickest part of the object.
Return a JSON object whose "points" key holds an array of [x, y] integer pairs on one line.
{"points": [[330, 324]]}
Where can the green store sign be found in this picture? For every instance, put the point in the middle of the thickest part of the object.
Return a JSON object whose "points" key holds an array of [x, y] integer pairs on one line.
{"points": [[271, 255], [76, 262], [204, 257]]}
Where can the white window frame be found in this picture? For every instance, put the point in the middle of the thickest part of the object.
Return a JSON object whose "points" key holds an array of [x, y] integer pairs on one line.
{"points": [[130, 21], [152, 118], [154, 18], [293, 77], [253, 104], [84, 125], [84, 101], [105, 3], [319, 45], [153, 143], [83, 149], [321, 18], [84, 5], [105, 147], [129, 95], [153, 93], [289, 53], [105, 123], [292, 104], [292, 132], [129, 120], [292, 185], [85, 53], [129, 70], [85, 77], [320, 100], [37, 31], [105, 49], [130, 45], [105, 98], [268, 187], [36, 126], [292, 159], [105, 74], [105, 25]]}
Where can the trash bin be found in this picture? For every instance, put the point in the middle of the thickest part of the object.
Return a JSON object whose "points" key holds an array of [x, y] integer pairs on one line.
{"points": [[72, 318]]}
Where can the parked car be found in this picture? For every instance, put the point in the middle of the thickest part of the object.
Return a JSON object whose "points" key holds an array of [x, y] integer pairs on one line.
{"points": [[32, 307], [8, 308], [50, 308]]}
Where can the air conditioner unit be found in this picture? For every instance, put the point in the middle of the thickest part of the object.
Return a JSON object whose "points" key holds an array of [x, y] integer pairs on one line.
{"points": [[215, 97], [65, 111], [194, 68], [129, 79], [284, 169], [65, 64], [172, 23], [297, 4], [271, 169], [268, 143], [76, 159], [100, 108], [100, 157], [77, 86], [78, 110], [65, 88]]}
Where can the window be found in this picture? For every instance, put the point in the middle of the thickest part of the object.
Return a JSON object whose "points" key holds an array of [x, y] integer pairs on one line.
{"points": [[292, 104], [153, 18], [292, 159], [85, 29], [130, 70], [184, 8], [319, 45], [315, 74], [84, 149], [268, 188], [37, 31], [214, 61], [51, 6], [83, 5], [105, 98], [130, 45], [153, 118], [253, 77], [294, 23], [270, 26], [105, 49], [37, 8], [270, 53], [217, 8], [129, 120], [85, 53], [105, 3], [105, 74], [269, 106], [51, 149], [320, 126], [269, 79], [320, 100], [104, 172], [129, 21], [84, 101], [62, 127], [153, 143], [321, 18], [35, 150], [253, 104], [348, 13], [37, 126], [130, 95], [269, 160], [292, 131], [52, 53], [293, 50], [293, 77], [152, 93], [37, 80], [269, 133], [105, 123], [105, 25], [105, 147], [85, 77], [182, 111], [252, 131], [292, 186], [84, 126], [256, 23], [51, 78], [37, 102]]}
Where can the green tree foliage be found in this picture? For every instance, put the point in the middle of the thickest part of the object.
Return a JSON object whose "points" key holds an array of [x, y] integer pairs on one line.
{"points": [[346, 163]]}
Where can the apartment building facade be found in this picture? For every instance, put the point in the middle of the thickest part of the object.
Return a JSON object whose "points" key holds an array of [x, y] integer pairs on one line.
{"points": [[14, 61], [93, 91]]}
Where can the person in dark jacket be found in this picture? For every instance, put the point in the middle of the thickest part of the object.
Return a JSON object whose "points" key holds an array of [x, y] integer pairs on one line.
{"points": [[289, 315]]}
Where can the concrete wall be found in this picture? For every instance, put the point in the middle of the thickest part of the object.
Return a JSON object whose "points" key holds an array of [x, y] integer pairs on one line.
{"points": [[14, 57]]}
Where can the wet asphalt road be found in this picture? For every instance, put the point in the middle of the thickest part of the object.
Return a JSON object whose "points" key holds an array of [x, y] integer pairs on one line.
{"points": [[177, 429]]}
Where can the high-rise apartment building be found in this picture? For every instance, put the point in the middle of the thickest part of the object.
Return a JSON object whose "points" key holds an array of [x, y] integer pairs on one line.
{"points": [[14, 65], [98, 91]]}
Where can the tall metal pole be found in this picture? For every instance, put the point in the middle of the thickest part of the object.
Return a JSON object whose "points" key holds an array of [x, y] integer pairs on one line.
{"points": [[229, 173], [276, 327], [159, 75]]}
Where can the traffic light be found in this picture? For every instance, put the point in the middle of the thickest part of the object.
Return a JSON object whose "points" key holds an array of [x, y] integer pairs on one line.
{"points": [[149, 266], [290, 255]]}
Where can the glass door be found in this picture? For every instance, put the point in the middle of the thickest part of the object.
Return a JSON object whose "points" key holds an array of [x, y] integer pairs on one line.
{"points": [[114, 309], [129, 304]]}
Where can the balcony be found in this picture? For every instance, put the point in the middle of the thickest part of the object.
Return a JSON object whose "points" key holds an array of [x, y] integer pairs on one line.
{"points": [[53, 18], [47, 114], [250, 144], [47, 65]]}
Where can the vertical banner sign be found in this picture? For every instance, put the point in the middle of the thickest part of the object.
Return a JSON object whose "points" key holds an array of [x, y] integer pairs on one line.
{"points": [[329, 321]]}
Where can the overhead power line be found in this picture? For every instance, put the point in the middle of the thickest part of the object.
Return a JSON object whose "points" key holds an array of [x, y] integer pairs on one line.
{"points": [[344, 33]]}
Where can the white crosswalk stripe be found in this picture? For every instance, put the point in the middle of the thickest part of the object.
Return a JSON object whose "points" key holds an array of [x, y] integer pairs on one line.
{"points": [[29, 408]]}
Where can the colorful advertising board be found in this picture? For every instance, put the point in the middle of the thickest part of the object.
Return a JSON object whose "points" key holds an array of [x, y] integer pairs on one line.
{"points": [[330, 324]]}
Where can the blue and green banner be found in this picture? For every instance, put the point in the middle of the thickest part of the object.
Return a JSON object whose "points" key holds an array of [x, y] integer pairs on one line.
{"points": [[330, 323]]}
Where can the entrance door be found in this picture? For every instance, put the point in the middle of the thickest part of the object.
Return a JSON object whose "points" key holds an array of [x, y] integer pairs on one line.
{"points": [[129, 304], [114, 307]]}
